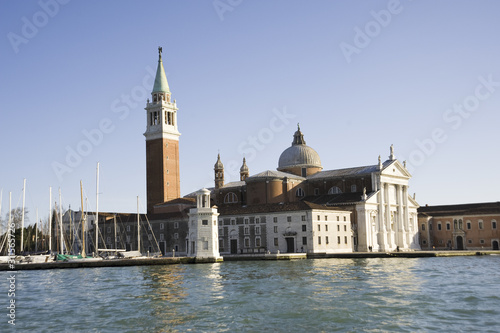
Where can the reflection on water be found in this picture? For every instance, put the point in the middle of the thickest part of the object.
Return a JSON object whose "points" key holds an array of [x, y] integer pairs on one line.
{"points": [[361, 295]]}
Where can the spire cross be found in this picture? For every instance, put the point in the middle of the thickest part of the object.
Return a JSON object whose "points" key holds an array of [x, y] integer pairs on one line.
{"points": [[160, 51]]}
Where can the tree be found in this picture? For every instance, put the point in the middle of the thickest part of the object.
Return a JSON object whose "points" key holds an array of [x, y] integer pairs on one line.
{"points": [[17, 214]]}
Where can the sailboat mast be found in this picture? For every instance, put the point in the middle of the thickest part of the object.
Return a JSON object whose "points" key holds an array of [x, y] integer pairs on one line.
{"points": [[60, 222], [22, 217], [82, 221], [50, 219], [36, 231], [10, 220], [138, 228], [97, 211], [116, 245]]}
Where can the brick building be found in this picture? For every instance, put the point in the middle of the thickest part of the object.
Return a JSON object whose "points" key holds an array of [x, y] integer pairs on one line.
{"points": [[460, 227]]}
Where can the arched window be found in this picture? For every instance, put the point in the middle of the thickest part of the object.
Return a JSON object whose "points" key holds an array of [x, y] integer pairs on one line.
{"points": [[334, 190], [300, 192], [230, 198]]}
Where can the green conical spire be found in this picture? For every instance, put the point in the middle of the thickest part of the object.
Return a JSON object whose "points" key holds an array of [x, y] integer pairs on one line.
{"points": [[161, 84]]}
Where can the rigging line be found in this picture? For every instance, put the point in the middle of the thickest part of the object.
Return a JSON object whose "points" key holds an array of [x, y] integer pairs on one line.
{"points": [[152, 232]]}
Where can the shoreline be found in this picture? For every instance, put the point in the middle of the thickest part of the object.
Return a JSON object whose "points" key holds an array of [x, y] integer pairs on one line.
{"points": [[239, 257]]}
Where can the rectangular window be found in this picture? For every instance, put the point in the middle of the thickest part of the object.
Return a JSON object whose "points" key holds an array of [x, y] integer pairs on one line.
{"points": [[303, 218], [204, 222], [176, 236], [233, 221], [439, 226], [162, 226], [338, 218], [480, 225], [345, 218], [345, 228], [326, 227], [246, 221], [338, 227], [319, 227], [316, 191], [257, 220], [448, 226], [319, 240], [304, 240], [481, 241], [319, 218], [276, 242], [430, 226], [345, 239], [326, 218], [353, 188], [176, 225], [289, 219], [246, 231], [493, 224], [469, 226], [275, 219], [247, 242], [304, 227], [109, 229], [326, 240], [257, 230], [338, 239], [423, 227], [275, 229], [108, 240], [257, 242], [162, 237]]}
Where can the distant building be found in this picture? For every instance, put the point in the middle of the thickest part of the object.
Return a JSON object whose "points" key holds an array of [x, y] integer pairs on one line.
{"points": [[460, 227]]}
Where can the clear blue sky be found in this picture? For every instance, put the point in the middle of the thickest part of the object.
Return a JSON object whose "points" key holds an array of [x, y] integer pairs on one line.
{"points": [[358, 76]]}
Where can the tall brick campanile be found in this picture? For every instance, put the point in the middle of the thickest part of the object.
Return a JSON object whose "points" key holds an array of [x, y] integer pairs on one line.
{"points": [[162, 143]]}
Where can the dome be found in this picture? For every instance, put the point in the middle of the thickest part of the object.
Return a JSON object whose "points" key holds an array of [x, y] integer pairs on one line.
{"points": [[218, 165], [299, 154], [244, 167]]}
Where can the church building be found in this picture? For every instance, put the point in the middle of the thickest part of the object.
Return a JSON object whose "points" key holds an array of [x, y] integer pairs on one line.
{"points": [[299, 207]]}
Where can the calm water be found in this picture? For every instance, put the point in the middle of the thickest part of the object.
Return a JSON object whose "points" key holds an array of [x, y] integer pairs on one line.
{"points": [[345, 295]]}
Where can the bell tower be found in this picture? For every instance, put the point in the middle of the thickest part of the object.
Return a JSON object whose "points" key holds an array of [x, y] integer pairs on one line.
{"points": [[219, 173], [162, 143]]}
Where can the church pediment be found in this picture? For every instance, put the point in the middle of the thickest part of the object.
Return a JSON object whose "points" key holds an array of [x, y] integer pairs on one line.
{"points": [[395, 169]]}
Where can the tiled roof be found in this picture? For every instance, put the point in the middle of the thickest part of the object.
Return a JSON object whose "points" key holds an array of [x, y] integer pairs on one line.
{"points": [[272, 208], [335, 199], [349, 172], [234, 184], [274, 174], [461, 209]]}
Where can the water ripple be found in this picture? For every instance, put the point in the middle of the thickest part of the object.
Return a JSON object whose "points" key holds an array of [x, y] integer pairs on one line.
{"points": [[327, 295]]}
